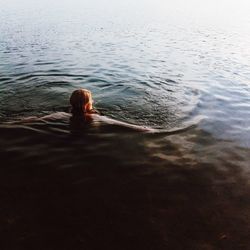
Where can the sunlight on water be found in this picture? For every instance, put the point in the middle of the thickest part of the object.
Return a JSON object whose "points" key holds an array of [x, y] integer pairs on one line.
{"points": [[182, 67], [156, 63]]}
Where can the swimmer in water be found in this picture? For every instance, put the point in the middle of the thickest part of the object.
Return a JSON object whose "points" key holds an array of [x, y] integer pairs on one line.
{"points": [[82, 108], [84, 115]]}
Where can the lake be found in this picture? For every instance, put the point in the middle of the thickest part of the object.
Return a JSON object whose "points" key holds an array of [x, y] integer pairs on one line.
{"points": [[181, 68]]}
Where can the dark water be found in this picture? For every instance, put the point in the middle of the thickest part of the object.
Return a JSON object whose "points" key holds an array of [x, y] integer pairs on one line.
{"points": [[171, 67]]}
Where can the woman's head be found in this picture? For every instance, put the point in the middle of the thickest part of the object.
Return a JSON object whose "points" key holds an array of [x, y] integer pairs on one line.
{"points": [[81, 101]]}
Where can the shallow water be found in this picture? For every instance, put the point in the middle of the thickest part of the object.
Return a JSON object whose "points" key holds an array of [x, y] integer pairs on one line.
{"points": [[171, 67]]}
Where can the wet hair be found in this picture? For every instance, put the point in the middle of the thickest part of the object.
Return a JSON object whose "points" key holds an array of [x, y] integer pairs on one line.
{"points": [[81, 101]]}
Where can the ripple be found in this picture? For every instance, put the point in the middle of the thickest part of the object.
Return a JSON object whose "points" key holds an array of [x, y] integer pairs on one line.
{"points": [[150, 75]]}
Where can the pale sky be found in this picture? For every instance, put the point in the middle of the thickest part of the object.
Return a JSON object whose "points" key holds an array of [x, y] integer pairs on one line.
{"points": [[228, 11]]}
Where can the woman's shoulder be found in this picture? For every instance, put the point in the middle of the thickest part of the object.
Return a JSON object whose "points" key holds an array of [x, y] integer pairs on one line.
{"points": [[94, 111]]}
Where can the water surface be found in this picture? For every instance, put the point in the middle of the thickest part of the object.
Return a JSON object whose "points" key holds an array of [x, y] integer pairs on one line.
{"points": [[182, 67]]}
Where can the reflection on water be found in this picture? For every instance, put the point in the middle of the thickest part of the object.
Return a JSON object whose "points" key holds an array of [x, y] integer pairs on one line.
{"points": [[96, 187]]}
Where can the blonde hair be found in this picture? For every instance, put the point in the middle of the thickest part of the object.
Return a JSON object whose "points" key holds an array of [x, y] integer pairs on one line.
{"points": [[81, 101]]}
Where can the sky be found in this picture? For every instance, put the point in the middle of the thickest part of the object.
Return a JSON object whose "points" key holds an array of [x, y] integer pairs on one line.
{"points": [[220, 11]]}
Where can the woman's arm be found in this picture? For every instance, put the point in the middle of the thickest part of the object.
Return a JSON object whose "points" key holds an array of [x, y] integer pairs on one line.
{"points": [[122, 124]]}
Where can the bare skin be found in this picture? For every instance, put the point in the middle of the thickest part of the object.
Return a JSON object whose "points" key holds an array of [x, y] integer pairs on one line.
{"points": [[98, 120], [83, 112]]}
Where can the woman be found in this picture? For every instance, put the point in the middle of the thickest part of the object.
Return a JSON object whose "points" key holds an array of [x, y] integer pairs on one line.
{"points": [[83, 115], [82, 109]]}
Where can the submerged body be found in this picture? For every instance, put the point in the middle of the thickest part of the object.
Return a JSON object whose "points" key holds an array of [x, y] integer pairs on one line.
{"points": [[82, 107], [94, 120], [84, 115]]}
